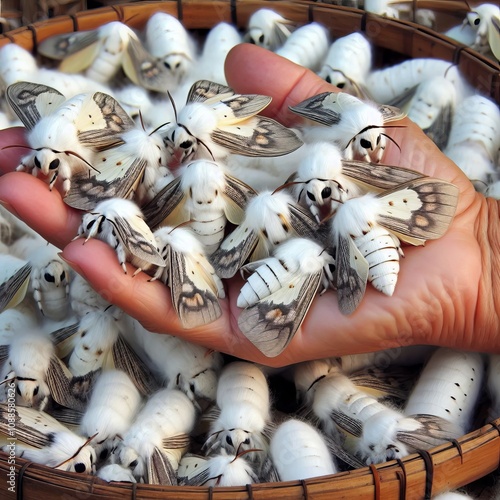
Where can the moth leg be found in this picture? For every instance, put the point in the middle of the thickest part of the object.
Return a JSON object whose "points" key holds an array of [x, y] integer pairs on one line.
{"points": [[37, 292], [120, 252], [53, 180]]}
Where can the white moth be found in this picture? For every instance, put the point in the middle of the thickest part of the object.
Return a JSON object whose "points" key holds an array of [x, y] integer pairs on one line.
{"points": [[14, 280], [16, 64], [270, 219], [113, 405], [84, 298], [120, 224], [28, 361], [493, 385], [370, 430], [324, 179], [203, 195], [449, 387], [222, 469], [179, 364], [432, 108], [162, 426], [396, 84], [244, 404], [171, 45], [218, 42], [357, 127], [347, 64], [215, 122], [298, 451], [485, 20], [193, 283], [306, 46], [90, 121], [279, 292], [366, 233], [50, 276], [474, 136], [382, 7], [16, 319], [102, 52], [42, 439], [268, 29]]}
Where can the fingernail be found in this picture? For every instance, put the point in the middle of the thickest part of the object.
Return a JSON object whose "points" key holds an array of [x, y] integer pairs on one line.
{"points": [[71, 264], [9, 207]]}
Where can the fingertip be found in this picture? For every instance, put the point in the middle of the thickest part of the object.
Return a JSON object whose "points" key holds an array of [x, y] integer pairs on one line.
{"points": [[10, 155]]}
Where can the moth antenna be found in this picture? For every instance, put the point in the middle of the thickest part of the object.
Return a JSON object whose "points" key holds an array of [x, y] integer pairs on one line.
{"points": [[393, 141], [76, 155], [18, 146], [288, 184], [7, 380], [315, 381], [207, 148], [142, 121], [172, 102], [239, 453], [159, 127], [77, 451], [209, 352]]}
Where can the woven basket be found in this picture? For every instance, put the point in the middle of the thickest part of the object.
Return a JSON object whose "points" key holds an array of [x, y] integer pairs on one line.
{"points": [[445, 467]]}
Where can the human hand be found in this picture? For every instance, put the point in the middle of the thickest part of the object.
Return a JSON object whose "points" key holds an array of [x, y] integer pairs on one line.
{"points": [[444, 296]]}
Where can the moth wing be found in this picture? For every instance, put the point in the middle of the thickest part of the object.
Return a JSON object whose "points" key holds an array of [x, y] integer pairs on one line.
{"points": [[143, 69], [271, 323], [85, 51], [61, 46], [125, 359], [234, 251], [13, 288], [4, 355], [434, 431], [439, 129], [348, 424], [32, 101], [63, 339], [281, 31], [118, 177], [102, 121], [193, 291], [257, 136], [160, 470], [32, 427], [136, 236], [194, 470], [419, 210], [376, 176], [337, 450], [494, 36], [169, 203], [390, 113], [176, 442], [208, 92], [322, 108], [302, 222], [236, 195], [232, 110], [58, 379], [351, 275]]}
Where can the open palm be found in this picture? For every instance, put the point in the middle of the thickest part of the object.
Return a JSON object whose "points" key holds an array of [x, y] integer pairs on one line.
{"points": [[442, 293]]}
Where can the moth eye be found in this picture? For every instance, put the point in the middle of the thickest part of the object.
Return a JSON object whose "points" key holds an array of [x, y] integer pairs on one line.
{"points": [[37, 163], [90, 224], [329, 80], [186, 144], [311, 196], [341, 85], [261, 38], [192, 387], [252, 41], [326, 192], [365, 144], [477, 21], [18, 391], [80, 468], [104, 454], [167, 65], [178, 65], [54, 164], [247, 441], [229, 441], [48, 277], [63, 276], [35, 392], [331, 267], [378, 139], [133, 464]]}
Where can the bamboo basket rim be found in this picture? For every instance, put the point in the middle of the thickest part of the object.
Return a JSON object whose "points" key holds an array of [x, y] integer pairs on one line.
{"points": [[448, 466]]}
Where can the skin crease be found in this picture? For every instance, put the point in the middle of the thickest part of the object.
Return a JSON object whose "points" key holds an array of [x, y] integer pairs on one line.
{"points": [[445, 293]]}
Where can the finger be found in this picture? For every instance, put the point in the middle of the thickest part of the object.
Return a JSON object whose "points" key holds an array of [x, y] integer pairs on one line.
{"points": [[254, 70], [31, 200], [10, 157]]}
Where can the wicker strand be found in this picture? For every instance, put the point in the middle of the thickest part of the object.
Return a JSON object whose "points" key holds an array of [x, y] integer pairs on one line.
{"points": [[250, 491], [376, 481], [429, 472], [402, 479], [303, 483], [458, 446], [20, 478]]}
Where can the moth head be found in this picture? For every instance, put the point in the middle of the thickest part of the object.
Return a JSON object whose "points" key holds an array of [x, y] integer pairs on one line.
{"points": [[257, 36], [130, 459], [55, 274], [204, 182], [31, 392], [92, 224], [202, 385], [178, 64], [335, 77], [83, 460], [369, 144]]}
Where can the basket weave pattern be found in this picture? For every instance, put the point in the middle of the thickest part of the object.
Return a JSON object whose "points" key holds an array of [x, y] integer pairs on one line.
{"points": [[445, 467]]}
